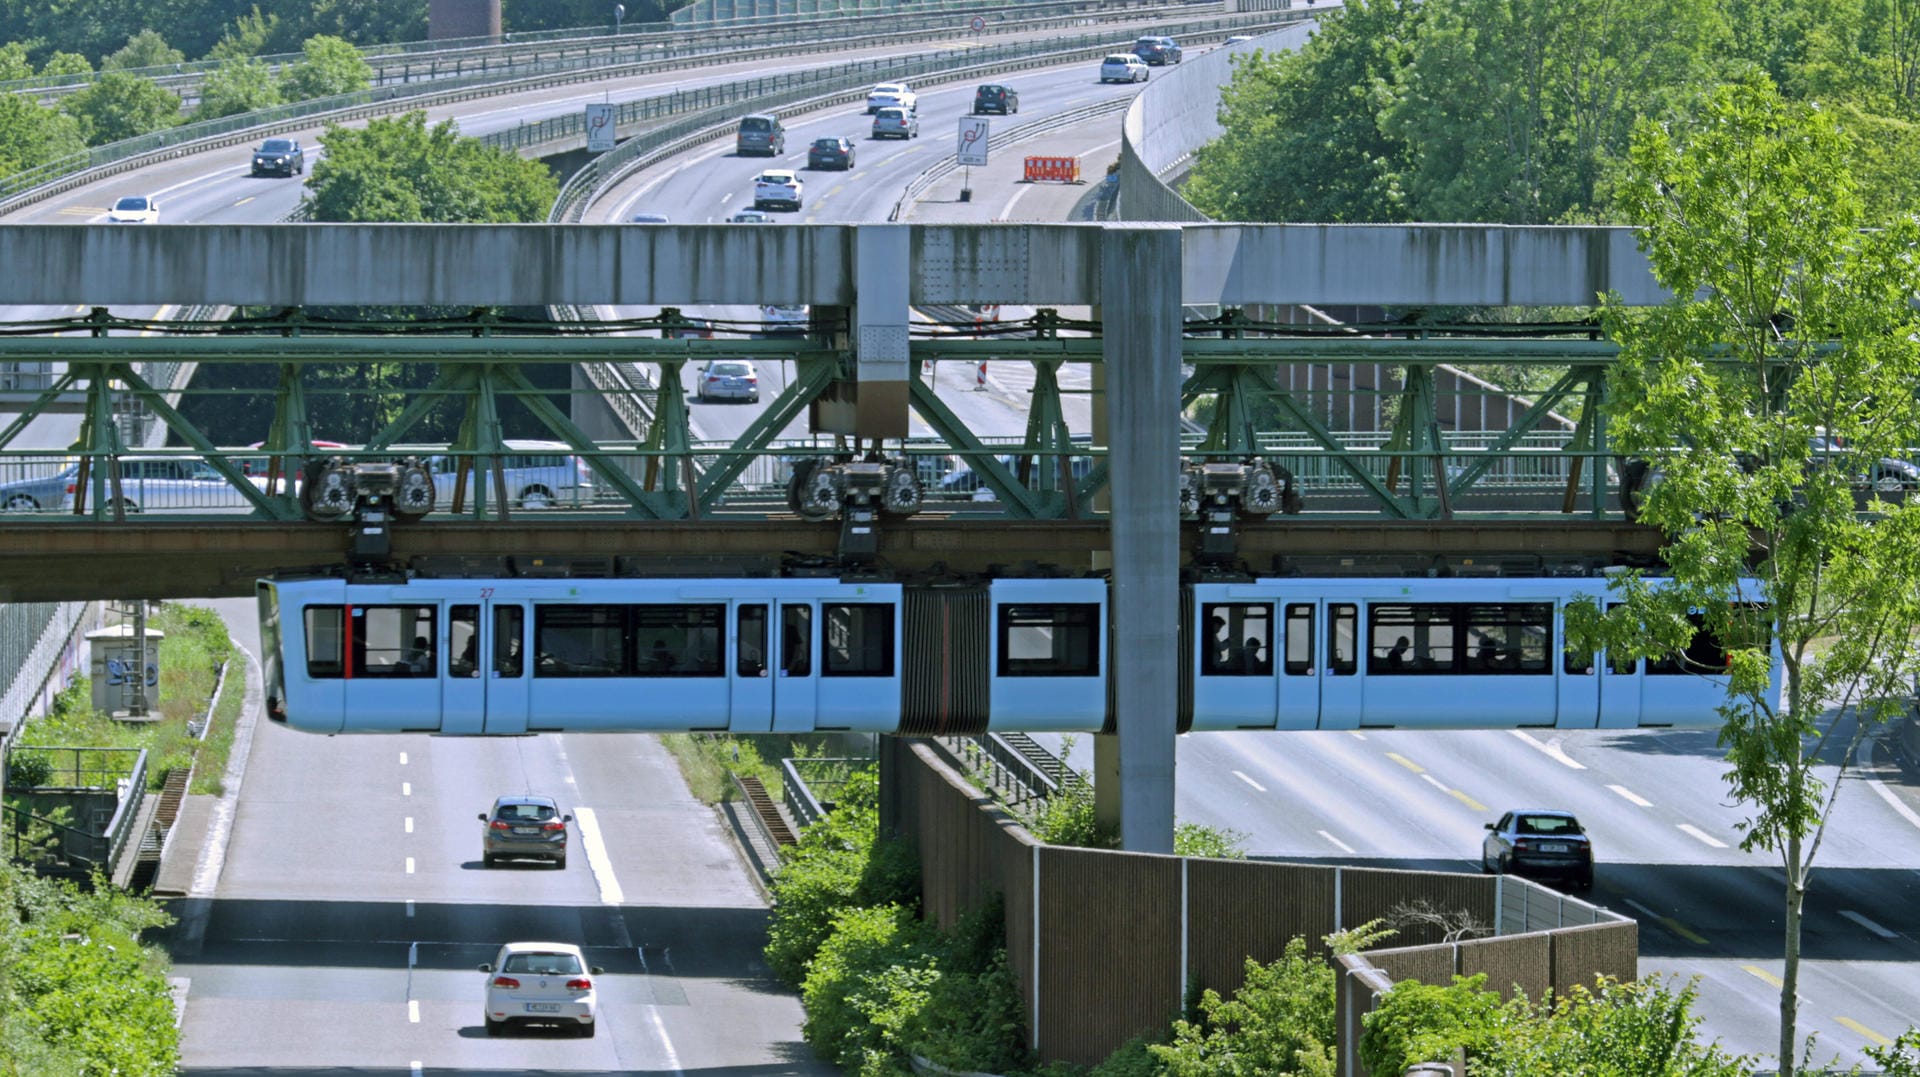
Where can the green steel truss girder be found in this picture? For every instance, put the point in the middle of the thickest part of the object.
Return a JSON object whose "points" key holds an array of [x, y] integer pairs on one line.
{"points": [[812, 377], [1020, 502], [1048, 435], [1416, 431]]}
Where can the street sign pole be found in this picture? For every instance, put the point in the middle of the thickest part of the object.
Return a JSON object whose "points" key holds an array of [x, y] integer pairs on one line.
{"points": [[972, 151]]}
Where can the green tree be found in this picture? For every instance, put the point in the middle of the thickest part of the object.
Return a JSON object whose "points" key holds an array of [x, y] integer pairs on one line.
{"points": [[66, 63], [330, 66], [144, 49], [31, 135], [1790, 329], [247, 37], [236, 86], [362, 22], [399, 169], [1302, 139], [121, 105], [13, 61]]}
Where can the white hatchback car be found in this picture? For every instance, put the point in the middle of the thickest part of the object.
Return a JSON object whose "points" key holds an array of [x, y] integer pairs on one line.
{"points": [[546, 983], [134, 209], [778, 187], [1123, 67]]}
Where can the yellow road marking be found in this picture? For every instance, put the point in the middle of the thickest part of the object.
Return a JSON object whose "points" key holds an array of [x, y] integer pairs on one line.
{"points": [[1772, 980], [1691, 936], [83, 211], [1864, 1030], [1468, 801], [1407, 763], [245, 200]]}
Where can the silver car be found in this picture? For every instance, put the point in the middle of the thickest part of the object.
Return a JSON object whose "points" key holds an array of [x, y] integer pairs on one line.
{"points": [[729, 379], [894, 122], [524, 826]]}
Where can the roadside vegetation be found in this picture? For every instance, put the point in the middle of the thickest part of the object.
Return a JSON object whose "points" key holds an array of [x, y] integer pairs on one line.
{"points": [[398, 169], [191, 658]]}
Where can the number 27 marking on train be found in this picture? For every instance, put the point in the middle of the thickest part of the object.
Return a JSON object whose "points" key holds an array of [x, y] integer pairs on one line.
{"points": [[486, 592]]}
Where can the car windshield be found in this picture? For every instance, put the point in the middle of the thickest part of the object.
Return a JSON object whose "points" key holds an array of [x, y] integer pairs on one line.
{"points": [[891, 114], [756, 123], [1118, 58], [542, 964], [889, 88], [525, 813], [777, 178], [1545, 824], [826, 144], [275, 145], [732, 370], [991, 91], [132, 202]]}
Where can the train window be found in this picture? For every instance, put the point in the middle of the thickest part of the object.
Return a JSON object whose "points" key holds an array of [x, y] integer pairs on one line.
{"points": [[1703, 655], [796, 640], [1343, 623], [1239, 640], [1621, 664], [1577, 662], [753, 641], [393, 641], [1299, 639], [579, 641], [1459, 637], [1050, 641], [463, 641], [678, 641], [509, 625], [858, 640], [326, 641]]}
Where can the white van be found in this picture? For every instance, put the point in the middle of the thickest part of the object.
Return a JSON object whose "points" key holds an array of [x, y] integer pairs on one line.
{"points": [[539, 475]]}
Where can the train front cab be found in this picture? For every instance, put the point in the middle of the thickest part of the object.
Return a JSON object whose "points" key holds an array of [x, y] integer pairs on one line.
{"points": [[499, 657]]}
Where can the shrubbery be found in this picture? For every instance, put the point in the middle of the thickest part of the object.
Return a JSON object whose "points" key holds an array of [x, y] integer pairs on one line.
{"points": [[838, 864]]}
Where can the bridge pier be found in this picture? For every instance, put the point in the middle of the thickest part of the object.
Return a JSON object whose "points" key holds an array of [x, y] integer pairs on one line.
{"points": [[1140, 314]]}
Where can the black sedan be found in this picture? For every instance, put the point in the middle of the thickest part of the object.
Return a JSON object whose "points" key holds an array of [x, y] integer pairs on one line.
{"points": [[830, 153], [994, 97], [1541, 842]]}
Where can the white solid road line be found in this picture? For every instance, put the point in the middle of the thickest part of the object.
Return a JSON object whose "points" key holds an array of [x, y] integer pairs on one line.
{"points": [[1869, 924], [1880, 787], [597, 858], [1631, 796], [1242, 775], [1689, 828], [1551, 750], [660, 1026], [1341, 845]]}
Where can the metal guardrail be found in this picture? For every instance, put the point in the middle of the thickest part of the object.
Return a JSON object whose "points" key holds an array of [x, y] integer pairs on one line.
{"points": [[1014, 135], [1011, 771], [805, 808], [94, 769], [1522, 905]]}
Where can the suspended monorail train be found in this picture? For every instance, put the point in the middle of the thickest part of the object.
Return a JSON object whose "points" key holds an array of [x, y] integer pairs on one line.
{"points": [[752, 655]]}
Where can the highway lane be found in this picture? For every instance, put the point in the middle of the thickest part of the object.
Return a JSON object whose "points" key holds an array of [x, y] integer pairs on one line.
{"points": [[353, 907]]}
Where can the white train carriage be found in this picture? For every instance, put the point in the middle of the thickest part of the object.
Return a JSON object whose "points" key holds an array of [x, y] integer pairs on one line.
{"points": [[508, 656], [1449, 653]]}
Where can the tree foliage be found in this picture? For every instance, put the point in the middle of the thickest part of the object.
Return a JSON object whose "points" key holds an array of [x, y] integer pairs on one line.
{"points": [[399, 169], [120, 105], [79, 992], [1782, 370], [247, 37], [67, 63], [32, 135], [330, 65], [144, 49], [1279, 1023], [236, 86]]}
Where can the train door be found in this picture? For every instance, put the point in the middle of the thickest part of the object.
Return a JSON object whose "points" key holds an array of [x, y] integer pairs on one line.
{"points": [[1299, 706], [1342, 690], [1579, 684], [796, 684], [484, 681], [751, 709]]}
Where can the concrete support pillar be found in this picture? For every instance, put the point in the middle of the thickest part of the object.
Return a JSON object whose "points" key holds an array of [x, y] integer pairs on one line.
{"points": [[1140, 277], [882, 273], [464, 18]]}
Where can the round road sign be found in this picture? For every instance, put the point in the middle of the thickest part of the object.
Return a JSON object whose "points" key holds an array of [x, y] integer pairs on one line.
{"points": [[979, 23]]}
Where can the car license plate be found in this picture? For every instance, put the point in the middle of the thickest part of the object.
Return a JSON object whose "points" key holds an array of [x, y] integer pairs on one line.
{"points": [[543, 1007], [1553, 847], [526, 830]]}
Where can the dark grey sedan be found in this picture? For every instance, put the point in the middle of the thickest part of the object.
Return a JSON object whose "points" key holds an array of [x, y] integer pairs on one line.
{"points": [[279, 156], [1539, 841], [524, 826]]}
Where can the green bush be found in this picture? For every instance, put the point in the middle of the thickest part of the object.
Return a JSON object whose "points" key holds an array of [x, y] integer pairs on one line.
{"points": [[1278, 1024], [872, 976], [1199, 839], [1135, 1058], [1419, 1022], [28, 770], [839, 862], [1901, 1058]]}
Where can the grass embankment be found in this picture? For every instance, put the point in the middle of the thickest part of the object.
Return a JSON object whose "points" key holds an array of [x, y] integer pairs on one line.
{"points": [[706, 759], [190, 658]]}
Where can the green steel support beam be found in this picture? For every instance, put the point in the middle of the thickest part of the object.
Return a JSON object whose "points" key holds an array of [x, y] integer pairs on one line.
{"points": [[480, 434], [645, 504], [100, 439], [1047, 433], [811, 378], [1341, 455], [277, 508], [61, 386], [290, 437], [1528, 422], [670, 433], [1019, 501], [1237, 388]]}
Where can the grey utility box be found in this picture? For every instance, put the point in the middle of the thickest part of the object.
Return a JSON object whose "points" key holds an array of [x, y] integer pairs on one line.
{"points": [[119, 681]]}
